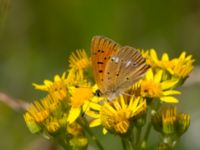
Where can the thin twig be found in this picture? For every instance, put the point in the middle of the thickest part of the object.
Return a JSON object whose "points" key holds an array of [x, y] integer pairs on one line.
{"points": [[194, 77], [15, 104]]}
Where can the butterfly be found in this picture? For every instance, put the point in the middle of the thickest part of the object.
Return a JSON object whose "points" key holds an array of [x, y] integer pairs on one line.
{"points": [[115, 68]]}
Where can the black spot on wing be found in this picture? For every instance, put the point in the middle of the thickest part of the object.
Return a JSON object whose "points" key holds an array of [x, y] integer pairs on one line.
{"points": [[99, 62]]}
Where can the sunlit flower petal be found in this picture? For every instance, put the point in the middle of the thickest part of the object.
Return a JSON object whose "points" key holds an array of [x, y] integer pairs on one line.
{"points": [[169, 99], [95, 122], [73, 114]]}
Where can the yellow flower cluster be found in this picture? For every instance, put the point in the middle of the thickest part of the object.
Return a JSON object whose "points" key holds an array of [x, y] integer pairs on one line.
{"points": [[163, 76], [179, 67], [56, 114], [70, 97]]}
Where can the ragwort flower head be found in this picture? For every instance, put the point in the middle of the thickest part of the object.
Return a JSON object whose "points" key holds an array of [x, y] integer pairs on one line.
{"points": [[117, 116], [179, 67], [38, 112], [152, 86], [182, 66], [79, 60], [168, 122], [57, 89], [41, 114]]}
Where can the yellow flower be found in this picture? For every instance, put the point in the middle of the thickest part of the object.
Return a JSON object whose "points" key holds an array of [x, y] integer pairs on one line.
{"points": [[182, 66], [116, 115], [31, 124], [79, 60], [152, 59], [152, 86], [79, 96], [41, 110], [167, 121], [38, 112], [57, 89], [179, 67]]}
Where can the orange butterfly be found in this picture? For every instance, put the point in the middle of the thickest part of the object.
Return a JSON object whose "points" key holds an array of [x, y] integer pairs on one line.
{"points": [[116, 68]]}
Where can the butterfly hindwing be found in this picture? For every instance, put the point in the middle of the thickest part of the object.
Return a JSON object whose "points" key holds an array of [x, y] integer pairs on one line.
{"points": [[123, 69]]}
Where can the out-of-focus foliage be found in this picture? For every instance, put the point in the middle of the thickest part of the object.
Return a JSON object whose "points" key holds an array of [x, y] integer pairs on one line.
{"points": [[36, 38]]}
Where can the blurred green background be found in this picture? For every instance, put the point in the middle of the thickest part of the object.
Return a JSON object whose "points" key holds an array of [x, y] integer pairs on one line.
{"points": [[36, 38]]}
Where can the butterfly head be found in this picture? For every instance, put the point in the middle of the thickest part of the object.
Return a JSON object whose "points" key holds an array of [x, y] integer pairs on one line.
{"points": [[109, 94]]}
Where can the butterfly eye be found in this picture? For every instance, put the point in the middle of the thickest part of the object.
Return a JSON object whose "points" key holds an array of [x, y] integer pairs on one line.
{"points": [[98, 93]]}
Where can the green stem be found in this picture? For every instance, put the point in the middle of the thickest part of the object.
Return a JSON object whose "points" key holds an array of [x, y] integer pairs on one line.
{"points": [[154, 108], [61, 140], [146, 135], [127, 143], [123, 144], [84, 124], [138, 135]]}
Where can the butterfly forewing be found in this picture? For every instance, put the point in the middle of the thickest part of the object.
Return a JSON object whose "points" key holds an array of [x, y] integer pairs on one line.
{"points": [[123, 69], [101, 49]]}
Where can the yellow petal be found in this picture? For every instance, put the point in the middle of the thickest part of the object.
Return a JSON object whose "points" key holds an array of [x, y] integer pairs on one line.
{"points": [[165, 57], [63, 75], [133, 103], [73, 114], [153, 55], [95, 106], [158, 76], [169, 99], [95, 123], [105, 131], [40, 87], [116, 105], [93, 114], [171, 92], [189, 57], [140, 108], [149, 74], [48, 82], [168, 84], [57, 78], [182, 56], [122, 102]]}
